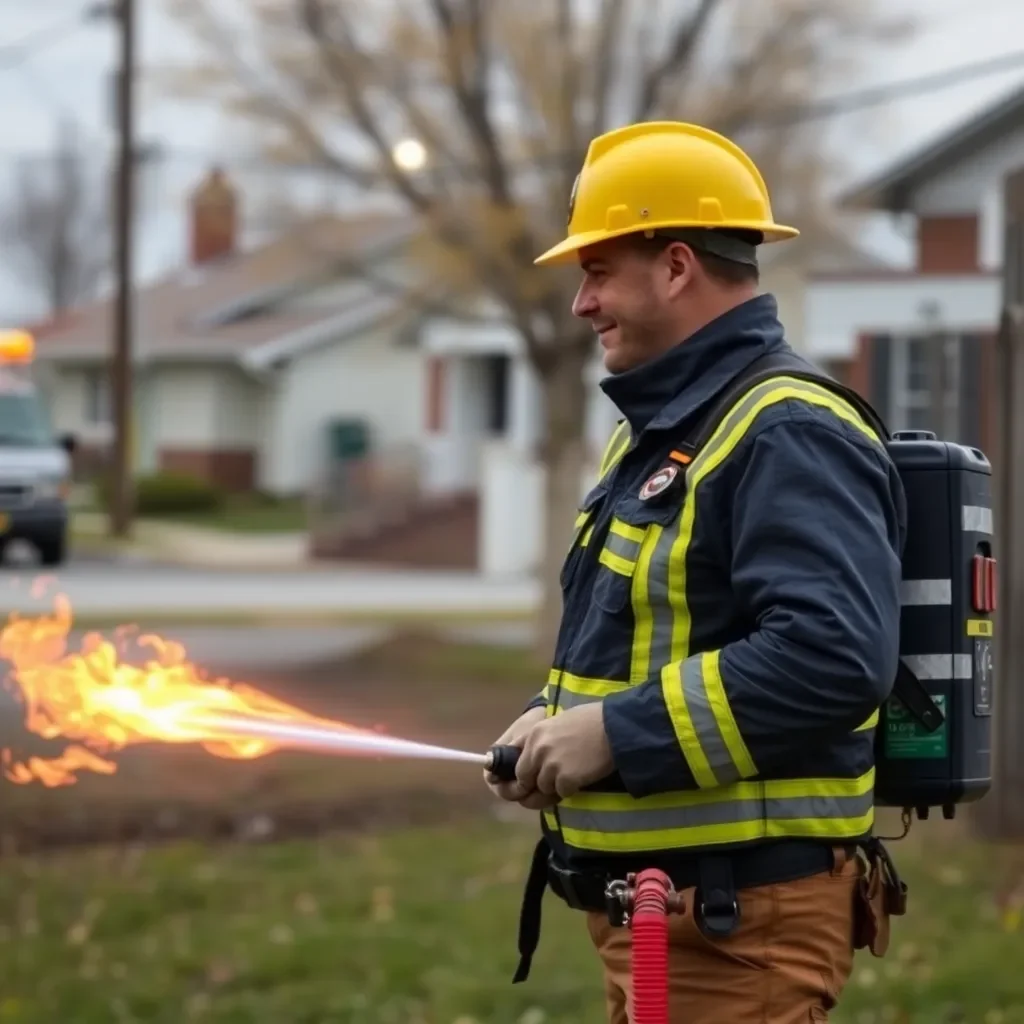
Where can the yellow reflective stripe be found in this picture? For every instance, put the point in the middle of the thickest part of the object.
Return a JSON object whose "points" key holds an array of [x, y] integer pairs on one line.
{"points": [[721, 444], [739, 792], [616, 447], [692, 836], [584, 686], [621, 529], [715, 689], [675, 700], [869, 724], [821, 808], [705, 727], [623, 566], [581, 520], [585, 539], [643, 609]]}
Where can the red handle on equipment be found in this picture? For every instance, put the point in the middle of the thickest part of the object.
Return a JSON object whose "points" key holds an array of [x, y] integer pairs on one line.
{"points": [[649, 924]]}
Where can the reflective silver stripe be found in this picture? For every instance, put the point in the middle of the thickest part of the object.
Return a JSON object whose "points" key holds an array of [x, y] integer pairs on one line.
{"points": [[661, 611], [705, 725], [926, 592], [624, 547], [816, 808], [977, 519], [567, 699], [940, 666], [575, 690]]}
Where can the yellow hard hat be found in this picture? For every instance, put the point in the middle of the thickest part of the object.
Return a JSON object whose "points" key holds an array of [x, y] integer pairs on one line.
{"points": [[664, 174]]}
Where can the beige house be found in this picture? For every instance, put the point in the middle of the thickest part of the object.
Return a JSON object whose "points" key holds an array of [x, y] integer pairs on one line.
{"points": [[244, 360]]}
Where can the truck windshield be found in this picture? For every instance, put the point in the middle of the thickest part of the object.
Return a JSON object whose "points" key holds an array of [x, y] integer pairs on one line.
{"points": [[23, 422]]}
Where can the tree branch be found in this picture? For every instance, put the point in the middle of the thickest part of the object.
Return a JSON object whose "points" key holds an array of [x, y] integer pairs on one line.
{"points": [[342, 69], [471, 93], [605, 69], [681, 48]]}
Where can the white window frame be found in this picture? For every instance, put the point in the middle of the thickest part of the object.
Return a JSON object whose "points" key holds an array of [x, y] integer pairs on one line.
{"points": [[903, 400], [98, 411]]}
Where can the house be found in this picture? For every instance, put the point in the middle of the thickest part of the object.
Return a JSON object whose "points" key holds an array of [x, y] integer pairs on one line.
{"points": [[243, 361], [919, 341], [274, 368], [484, 386]]}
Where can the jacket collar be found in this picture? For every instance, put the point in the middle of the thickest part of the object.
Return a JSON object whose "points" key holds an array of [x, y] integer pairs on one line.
{"points": [[668, 390]]}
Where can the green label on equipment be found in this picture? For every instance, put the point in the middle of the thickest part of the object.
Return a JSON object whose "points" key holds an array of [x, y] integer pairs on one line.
{"points": [[905, 736]]}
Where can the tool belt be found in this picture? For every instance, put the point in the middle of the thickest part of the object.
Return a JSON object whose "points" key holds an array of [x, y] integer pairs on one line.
{"points": [[717, 878]]}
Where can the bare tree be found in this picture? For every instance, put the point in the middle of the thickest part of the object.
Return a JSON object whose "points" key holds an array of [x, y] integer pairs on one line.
{"points": [[505, 98], [56, 225]]}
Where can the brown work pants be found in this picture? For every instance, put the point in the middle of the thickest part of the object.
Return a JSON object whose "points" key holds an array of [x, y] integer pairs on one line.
{"points": [[786, 962]]}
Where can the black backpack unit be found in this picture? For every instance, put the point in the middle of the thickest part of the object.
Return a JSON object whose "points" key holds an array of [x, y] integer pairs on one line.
{"points": [[934, 737]]}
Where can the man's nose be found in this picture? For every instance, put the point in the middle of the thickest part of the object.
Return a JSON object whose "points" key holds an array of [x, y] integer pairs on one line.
{"points": [[585, 303]]}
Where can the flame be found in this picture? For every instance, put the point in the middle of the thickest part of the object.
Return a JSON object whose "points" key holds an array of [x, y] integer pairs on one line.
{"points": [[102, 704]]}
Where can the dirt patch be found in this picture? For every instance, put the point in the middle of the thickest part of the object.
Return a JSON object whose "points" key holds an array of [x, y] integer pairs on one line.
{"points": [[415, 686]]}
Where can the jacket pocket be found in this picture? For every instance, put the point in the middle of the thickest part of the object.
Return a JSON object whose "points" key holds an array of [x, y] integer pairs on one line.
{"points": [[582, 529], [617, 562]]}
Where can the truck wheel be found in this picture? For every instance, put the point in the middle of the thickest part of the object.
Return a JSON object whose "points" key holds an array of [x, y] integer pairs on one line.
{"points": [[53, 550]]}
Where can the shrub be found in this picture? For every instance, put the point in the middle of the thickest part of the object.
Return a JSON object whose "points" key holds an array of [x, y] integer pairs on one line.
{"points": [[167, 493]]}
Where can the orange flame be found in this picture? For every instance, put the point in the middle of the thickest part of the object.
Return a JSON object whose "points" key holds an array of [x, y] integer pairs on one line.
{"points": [[104, 704]]}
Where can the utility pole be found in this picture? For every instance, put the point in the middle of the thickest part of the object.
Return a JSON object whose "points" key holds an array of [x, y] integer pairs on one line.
{"points": [[123, 498], [1001, 814]]}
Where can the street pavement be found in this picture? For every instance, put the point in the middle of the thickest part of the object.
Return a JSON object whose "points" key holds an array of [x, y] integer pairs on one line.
{"points": [[123, 588]]}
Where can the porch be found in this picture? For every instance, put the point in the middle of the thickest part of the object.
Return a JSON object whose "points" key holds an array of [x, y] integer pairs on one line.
{"points": [[484, 420]]}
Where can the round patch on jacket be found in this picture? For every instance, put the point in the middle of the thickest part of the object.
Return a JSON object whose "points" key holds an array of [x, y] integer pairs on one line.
{"points": [[658, 482]]}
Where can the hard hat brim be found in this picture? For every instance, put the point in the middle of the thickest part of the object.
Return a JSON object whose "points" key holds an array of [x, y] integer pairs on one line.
{"points": [[566, 250]]}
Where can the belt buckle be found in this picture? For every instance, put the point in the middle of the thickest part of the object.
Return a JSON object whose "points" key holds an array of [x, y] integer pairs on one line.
{"points": [[719, 915], [569, 891]]}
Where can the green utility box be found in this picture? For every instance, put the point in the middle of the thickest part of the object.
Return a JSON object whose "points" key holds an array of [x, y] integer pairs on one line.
{"points": [[347, 439]]}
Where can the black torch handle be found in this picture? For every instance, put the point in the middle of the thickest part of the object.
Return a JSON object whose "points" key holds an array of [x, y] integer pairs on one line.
{"points": [[502, 761]]}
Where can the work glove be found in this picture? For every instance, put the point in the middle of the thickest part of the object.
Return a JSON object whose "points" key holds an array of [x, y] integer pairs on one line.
{"points": [[566, 752], [515, 736]]}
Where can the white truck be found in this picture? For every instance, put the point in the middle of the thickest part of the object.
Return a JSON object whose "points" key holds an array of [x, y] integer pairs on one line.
{"points": [[35, 465]]}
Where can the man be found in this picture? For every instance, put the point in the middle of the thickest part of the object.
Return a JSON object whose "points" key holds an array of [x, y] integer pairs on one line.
{"points": [[731, 615]]}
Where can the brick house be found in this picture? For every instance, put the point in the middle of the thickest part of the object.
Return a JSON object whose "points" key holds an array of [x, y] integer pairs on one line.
{"points": [[903, 336]]}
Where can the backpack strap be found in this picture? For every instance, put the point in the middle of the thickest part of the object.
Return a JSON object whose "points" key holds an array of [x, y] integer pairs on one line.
{"points": [[787, 363], [777, 363]]}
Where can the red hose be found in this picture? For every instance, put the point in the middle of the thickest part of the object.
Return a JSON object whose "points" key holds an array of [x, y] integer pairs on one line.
{"points": [[649, 924]]}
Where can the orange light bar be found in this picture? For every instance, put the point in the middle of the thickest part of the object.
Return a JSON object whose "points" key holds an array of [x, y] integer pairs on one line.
{"points": [[16, 347]]}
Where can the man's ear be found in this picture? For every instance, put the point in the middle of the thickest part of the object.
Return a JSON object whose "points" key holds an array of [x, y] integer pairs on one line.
{"points": [[682, 264]]}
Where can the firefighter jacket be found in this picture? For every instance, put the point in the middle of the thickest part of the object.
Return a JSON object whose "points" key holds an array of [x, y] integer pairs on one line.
{"points": [[738, 614]]}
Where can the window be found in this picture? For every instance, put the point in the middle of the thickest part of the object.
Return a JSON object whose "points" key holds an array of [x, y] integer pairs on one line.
{"points": [[97, 397], [924, 365]]}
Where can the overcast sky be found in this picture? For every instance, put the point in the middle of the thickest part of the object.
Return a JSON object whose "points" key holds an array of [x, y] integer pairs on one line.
{"points": [[72, 77]]}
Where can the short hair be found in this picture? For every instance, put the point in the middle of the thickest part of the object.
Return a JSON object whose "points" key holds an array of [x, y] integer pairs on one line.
{"points": [[722, 269]]}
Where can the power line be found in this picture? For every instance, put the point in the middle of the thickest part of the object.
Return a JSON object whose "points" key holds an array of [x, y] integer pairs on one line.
{"points": [[861, 99]]}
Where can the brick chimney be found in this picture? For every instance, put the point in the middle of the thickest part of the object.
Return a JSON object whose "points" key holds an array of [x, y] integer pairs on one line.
{"points": [[214, 218]]}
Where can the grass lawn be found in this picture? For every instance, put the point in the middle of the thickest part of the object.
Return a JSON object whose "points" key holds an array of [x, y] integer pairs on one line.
{"points": [[406, 911], [242, 513], [416, 927], [249, 514]]}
